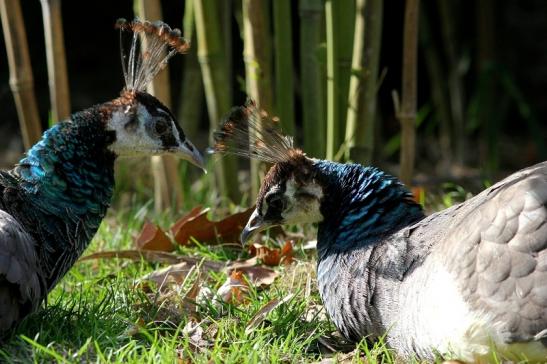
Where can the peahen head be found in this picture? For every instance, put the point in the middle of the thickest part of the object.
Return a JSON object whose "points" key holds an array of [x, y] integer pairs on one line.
{"points": [[290, 193], [141, 123], [143, 126], [298, 189]]}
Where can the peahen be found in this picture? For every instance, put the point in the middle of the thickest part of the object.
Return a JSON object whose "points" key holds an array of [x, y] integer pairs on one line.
{"points": [[53, 201], [458, 283]]}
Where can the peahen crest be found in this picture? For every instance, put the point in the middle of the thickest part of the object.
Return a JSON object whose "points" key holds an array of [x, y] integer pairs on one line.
{"points": [[162, 43], [252, 133]]}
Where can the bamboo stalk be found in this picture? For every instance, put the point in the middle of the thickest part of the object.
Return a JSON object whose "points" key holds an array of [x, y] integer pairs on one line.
{"points": [[339, 23], [257, 54], [311, 15], [333, 102], [455, 82], [362, 100], [407, 114], [56, 59], [191, 98], [488, 118], [226, 13], [439, 94], [212, 59], [167, 183], [284, 85], [21, 80]]}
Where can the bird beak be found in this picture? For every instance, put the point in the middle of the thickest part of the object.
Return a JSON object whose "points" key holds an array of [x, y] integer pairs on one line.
{"points": [[254, 225], [189, 152]]}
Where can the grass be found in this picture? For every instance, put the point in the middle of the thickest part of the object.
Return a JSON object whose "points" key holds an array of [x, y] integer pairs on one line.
{"points": [[98, 314]]}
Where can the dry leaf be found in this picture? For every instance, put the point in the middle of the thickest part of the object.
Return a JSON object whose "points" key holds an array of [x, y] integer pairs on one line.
{"points": [[152, 237], [156, 257], [173, 274], [273, 256], [180, 222], [235, 289], [258, 276], [190, 299], [309, 245], [201, 335], [194, 331], [418, 193], [261, 314], [197, 225], [334, 343], [135, 328], [136, 255]]}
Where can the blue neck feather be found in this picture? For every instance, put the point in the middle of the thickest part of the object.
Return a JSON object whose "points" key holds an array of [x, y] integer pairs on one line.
{"points": [[65, 184], [360, 206]]}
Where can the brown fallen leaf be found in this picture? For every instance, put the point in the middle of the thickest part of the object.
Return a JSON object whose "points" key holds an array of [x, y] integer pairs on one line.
{"points": [[201, 335], [258, 276], [153, 256], [273, 256], [235, 289], [196, 225], [261, 314], [152, 237], [189, 301], [418, 194], [135, 255], [135, 328], [166, 277], [192, 214]]}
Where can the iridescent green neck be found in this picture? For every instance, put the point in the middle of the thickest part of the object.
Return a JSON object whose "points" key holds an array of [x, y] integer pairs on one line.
{"points": [[70, 167], [66, 183]]}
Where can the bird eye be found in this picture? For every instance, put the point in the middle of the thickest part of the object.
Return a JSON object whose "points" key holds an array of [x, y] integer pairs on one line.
{"points": [[275, 203], [161, 126]]}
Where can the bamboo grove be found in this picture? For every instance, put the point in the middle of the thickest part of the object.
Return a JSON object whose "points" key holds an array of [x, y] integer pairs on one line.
{"points": [[315, 64]]}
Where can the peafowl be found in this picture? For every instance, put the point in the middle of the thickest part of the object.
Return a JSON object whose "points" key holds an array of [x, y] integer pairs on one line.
{"points": [[53, 201], [458, 283]]}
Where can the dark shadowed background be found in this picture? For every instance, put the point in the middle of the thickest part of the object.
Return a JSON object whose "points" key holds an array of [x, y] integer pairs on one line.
{"points": [[508, 121]]}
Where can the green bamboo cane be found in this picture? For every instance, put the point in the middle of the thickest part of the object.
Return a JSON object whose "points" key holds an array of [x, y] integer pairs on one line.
{"points": [[311, 13], [56, 59], [257, 54], [362, 100], [21, 80], [455, 80], [488, 117], [167, 182], [407, 113], [339, 25], [284, 85], [191, 97], [439, 92], [212, 59]]}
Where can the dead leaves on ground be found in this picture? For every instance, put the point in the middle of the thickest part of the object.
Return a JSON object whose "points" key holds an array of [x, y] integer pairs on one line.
{"points": [[178, 290], [273, 256], [194, 225], [152, 237]]}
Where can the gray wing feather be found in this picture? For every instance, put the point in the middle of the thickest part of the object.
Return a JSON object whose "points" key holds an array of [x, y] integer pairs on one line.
{"points": [[496, 246], [21, 286]]}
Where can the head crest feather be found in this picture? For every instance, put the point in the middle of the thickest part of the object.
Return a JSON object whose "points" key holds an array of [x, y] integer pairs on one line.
{"points": [[162, 43], [249, 132]]}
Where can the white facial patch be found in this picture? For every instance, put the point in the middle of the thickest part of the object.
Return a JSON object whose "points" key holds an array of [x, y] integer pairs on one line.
{"points": [[303, 203], [132, 138]]}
